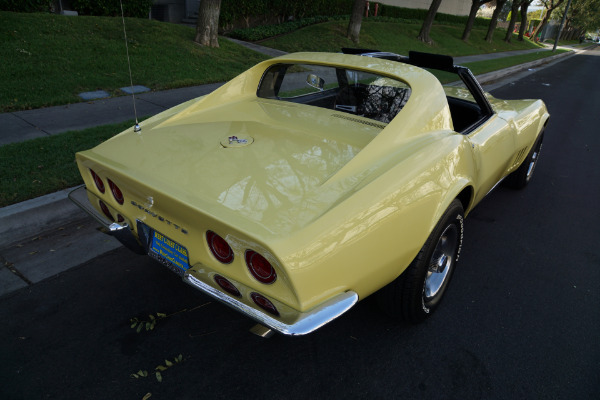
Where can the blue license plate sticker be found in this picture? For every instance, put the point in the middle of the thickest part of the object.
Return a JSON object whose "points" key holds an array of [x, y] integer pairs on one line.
{"points": [[170, 252]]}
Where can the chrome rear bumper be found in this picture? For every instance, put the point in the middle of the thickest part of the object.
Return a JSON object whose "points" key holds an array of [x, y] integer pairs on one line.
{"points": [[122, 232], [304, 323]]}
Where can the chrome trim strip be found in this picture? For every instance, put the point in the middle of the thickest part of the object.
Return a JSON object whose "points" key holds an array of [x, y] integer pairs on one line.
{"points": [[122, 232], [494, 187], [306, 323], [343, 107]]}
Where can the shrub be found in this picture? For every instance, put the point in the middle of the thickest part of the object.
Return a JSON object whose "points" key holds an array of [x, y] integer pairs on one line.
{"points": [[419, 15], [26, 5], [112, 8], [281, 10], [265, 12]]}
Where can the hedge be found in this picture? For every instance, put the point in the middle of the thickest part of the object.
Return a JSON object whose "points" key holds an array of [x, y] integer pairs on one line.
{"points": [[284, 10], [236, 10], [112, 8], [419, 15], [27, 6], [266, 31]]}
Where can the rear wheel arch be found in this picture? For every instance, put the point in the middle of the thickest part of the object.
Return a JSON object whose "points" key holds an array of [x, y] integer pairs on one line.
{"points": [[416, 293], [466, 197]]}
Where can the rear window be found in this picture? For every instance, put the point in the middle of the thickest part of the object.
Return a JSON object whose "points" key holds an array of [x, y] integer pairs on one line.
{"points": [[350, 91]]}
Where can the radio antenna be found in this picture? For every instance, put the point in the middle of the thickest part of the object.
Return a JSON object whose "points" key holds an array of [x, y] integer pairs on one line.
{"points": [[137, 127]]}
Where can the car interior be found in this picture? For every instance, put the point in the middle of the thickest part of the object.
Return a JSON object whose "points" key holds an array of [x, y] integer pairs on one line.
{"points": [[464, 113], [369, 95], [354, 92]]}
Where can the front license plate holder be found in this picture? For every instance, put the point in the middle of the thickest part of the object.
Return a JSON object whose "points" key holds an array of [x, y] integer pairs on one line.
{"points": [[168, 252]]}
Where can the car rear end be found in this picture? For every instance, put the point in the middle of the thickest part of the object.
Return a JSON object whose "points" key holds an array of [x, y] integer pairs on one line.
{"points": [[203, 247]]}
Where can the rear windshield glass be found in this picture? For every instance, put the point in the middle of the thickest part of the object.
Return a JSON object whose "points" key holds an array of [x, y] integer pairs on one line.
{"points": [[351, 91]]}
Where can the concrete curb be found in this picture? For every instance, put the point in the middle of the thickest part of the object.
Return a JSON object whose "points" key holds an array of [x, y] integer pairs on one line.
{"points": [[30, 218], [495, 75]]}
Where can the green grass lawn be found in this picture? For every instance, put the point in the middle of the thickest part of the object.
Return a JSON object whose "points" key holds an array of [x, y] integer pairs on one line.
{"points": [[551, 41], [45, 165], [48, 59], [397, 37], [483, 67]]}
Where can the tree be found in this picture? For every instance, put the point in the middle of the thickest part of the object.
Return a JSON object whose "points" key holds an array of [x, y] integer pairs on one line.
{"points": [[503, 16], [514, 9], [475, 6], [524, 6], [583, 15], [428, 23], [490, 33], [549, 5], [207, 27], [356, 20]]}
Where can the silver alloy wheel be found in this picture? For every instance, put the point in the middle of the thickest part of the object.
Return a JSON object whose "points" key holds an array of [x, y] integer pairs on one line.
{"points": [[440, 264]]}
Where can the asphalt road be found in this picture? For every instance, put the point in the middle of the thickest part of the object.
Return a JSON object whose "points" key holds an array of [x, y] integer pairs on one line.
{"points": [[521, 319]]}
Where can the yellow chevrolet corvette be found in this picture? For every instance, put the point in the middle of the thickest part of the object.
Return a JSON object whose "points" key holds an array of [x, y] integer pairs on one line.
{"points": [[314, 180]]}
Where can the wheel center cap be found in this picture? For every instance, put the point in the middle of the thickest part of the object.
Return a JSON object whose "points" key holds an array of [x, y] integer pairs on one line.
{"points": [[442, 262]]}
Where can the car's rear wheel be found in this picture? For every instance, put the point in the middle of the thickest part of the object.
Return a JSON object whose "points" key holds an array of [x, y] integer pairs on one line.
{"points": [[417, 293], [521, 177]]}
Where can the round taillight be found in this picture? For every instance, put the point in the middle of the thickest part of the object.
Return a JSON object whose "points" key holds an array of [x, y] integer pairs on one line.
{"points": [[227, 286], [219, 247], [98, 181], [117, 194], [260, 268], [264, 303], [106, 211]]}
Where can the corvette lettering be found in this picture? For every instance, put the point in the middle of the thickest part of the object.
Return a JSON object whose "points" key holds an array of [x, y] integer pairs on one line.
{"points": [[160, 218]]}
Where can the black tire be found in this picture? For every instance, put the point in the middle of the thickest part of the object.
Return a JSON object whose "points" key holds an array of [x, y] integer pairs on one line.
{"points": [[417, 293], [519, 178]]}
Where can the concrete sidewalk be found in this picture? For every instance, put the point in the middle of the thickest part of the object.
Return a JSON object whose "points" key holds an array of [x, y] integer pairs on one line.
{"points": [[42, 237], [20, 126]]}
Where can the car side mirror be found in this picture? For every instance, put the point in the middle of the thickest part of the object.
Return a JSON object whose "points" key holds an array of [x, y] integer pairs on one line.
{"points": [[315, 81]]}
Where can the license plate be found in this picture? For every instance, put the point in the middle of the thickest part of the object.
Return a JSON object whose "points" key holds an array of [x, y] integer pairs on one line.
{"points": [[169, 253]]}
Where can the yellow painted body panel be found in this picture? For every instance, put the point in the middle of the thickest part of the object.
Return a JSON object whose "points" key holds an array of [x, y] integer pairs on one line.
{"points": [[333, 204]]}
